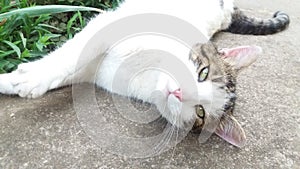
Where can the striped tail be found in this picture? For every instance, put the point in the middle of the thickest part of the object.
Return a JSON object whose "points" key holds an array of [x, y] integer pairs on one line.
{"points": [[242, 24]]}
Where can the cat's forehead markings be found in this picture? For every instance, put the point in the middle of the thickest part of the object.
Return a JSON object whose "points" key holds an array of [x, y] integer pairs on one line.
{"points": [[204, 57], [199, 57]]}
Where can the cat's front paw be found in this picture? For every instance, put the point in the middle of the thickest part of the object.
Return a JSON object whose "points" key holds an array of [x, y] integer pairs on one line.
{"points": [[5, 84], [29, 80]]}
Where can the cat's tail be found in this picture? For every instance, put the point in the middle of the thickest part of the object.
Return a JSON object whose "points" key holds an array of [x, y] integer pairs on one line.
{"points": [[242, 24]]}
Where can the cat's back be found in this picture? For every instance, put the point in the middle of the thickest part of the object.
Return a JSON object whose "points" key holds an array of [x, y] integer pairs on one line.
{"points": [[207, 16]]}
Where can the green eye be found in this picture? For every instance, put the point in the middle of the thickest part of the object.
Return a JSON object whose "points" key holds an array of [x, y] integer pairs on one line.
{"points": [[200, 111], [203, 74]]}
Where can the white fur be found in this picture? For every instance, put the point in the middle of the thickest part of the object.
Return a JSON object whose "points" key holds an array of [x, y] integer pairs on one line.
{"points": [[64, 65]]}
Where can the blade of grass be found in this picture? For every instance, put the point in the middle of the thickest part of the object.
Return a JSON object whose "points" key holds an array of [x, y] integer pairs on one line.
{"points": [[70, 23], [14, 47], [6, 53], [80, 19], [47, 9], [24, 40], [49, 26]]}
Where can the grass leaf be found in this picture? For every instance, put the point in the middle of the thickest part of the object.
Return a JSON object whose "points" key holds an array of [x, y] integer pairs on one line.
{"points": [[14, 47], [49, 26], [47, 9], [3, 54], [70, 23], [24, 40]]}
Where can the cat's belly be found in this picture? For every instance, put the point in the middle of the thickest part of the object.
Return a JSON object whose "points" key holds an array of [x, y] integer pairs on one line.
{"points": [[119, 76]]}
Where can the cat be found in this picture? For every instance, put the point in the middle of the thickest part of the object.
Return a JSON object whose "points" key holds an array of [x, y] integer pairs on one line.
{"points": [[213, 70]]}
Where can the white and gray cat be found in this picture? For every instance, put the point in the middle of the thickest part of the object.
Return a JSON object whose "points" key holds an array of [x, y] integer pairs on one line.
{"points": [[214, 71]]}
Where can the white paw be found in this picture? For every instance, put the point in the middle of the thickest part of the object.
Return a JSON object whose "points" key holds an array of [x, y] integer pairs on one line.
{"points": [[29, 80], [30, 88], [5, 85]]}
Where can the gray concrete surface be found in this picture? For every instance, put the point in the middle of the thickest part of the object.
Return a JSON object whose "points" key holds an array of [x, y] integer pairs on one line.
{"points": [[45, 133]]}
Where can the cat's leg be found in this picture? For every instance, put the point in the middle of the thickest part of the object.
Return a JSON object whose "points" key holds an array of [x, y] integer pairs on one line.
{"points": [[33, 79], [57, 69], [5, 84]]}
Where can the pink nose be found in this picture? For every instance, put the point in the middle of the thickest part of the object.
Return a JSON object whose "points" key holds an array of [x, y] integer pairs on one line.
{"points": [[177, 93]]}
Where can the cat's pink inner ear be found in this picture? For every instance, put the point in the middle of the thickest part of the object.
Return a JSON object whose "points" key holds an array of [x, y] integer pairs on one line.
{"points": [[241, 56], [231, 131]]}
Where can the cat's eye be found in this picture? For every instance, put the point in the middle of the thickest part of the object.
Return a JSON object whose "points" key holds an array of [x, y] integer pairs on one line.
{"points": [[200, 111], [203, 74]]}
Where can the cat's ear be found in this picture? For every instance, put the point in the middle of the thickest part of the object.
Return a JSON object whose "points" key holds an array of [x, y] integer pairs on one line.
{"points": [[231, 131], [240, 57]]}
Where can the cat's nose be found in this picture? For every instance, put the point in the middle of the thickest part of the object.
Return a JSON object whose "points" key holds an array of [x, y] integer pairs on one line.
{"points": [[177, 93]]}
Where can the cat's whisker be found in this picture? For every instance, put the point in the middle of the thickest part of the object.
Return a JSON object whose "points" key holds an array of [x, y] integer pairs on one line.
{"points": [[173, 129], [164, 141]]}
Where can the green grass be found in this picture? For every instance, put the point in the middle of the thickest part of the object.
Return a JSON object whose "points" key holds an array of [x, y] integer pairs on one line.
{"points": [[29, 29]]}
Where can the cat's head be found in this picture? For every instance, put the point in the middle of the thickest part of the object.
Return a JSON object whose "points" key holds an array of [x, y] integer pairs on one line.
{"points": [[220, 68]]}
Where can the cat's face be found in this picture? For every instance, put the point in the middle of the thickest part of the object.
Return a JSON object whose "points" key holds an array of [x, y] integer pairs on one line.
{"points": [[220, 68]]}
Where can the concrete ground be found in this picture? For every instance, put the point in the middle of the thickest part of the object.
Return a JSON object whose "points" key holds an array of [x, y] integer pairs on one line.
{"points": [[45, 133]]}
